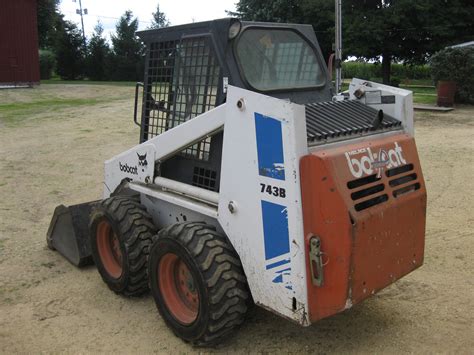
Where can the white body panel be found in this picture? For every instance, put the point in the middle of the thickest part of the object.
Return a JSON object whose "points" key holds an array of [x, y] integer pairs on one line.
{"points": [[401, 109], [273, 287]]}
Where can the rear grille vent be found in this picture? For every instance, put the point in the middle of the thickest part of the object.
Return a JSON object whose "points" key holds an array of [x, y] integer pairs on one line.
{"points": [[399, 170], [406, 189], [402, 180], [370, 190], [367, 192], [372, 202], [362, 181]]}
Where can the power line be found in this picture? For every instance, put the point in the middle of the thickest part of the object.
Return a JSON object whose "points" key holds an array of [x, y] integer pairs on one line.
{"points": [[439, 27], [107, 17]]}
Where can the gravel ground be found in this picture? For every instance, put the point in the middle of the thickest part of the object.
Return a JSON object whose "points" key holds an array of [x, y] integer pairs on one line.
{"points": [[53, 141]]}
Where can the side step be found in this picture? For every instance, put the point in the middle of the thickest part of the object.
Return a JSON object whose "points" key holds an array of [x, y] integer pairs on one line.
{"points": [[68, 233]]}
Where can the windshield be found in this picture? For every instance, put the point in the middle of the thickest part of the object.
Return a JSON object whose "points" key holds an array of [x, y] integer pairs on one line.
{"points": [[278, 59]]}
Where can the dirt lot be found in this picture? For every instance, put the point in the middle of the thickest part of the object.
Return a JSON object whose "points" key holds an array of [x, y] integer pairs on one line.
{"points": [[53, 141]]}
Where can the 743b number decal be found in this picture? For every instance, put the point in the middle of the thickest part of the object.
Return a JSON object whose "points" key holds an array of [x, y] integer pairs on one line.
{"points": [[273, 190]]}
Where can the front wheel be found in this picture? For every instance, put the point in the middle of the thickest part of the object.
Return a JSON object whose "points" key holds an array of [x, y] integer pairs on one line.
{"points": [[197, 281], [121, 236]]}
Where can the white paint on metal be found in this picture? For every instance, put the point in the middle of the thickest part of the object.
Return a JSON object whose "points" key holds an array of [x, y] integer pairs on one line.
{"points": [[241, 183], [188, 190], [129, 166], [166, 213], [160, 148], [402, 109], [176, 199], [240, 180]]}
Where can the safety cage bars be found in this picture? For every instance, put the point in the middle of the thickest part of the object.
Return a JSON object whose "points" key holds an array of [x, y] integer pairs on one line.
{"points": [[182, 79]]}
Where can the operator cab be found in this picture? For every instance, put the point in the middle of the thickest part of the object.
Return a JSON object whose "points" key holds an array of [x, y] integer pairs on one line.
{"points": [[189, 67]]}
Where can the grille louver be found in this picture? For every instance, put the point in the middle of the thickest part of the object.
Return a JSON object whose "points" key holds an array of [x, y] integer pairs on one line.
{"points": [[405, 183], [343, 119], [371, 190]]}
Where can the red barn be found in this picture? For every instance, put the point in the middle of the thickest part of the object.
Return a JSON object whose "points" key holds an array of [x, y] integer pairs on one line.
{"points": [[19, 60]]}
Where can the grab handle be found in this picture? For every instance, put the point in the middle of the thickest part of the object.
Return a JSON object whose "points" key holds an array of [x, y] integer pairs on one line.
{"points": [[135, 109]]}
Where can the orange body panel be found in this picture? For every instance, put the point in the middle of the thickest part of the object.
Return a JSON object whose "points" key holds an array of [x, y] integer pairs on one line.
{"points": [[367, 204]]}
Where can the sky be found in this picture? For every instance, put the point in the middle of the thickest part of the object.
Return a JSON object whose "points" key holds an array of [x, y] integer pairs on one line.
{"points": [[177, 11]]}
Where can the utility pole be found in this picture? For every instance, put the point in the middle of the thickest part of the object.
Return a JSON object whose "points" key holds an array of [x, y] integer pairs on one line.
{"points": [[338, 47], [82, 12]]}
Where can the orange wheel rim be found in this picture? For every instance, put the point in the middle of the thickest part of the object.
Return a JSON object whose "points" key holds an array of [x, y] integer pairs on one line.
{"points": [[108, 246], [178, 288]]}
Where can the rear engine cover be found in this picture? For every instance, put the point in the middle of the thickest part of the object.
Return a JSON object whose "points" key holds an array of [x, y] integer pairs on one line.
{"points": [[367, 204]]}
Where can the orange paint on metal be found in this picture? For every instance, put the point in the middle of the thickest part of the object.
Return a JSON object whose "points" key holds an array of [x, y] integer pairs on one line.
{"points": [[366, 247], [108, 247], [179, 289]]}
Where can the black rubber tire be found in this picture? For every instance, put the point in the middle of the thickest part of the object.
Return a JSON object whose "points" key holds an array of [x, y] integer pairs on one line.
{"points": [[135, 231], [224, 296]]}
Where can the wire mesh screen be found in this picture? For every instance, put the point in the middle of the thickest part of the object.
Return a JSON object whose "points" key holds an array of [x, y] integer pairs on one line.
{"points": [[182, 82], [159, 89], [204, 178]]}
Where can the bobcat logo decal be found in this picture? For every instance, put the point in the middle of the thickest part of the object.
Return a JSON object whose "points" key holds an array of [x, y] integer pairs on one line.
{"points": [[142, 161]]}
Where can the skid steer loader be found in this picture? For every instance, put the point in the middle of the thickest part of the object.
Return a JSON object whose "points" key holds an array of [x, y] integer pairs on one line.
{"points": [[252, 182]]}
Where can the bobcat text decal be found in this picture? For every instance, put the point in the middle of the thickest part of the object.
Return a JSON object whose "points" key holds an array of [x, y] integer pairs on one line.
{"points": [[365, 162], [130, 169]]}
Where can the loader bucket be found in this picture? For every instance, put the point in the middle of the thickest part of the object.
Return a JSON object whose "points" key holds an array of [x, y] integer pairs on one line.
{"points": [[68, 233]]}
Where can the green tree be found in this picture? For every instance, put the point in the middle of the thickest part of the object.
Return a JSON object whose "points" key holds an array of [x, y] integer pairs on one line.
{"points": [[49, 21], [98, 55], [69, 52], [127, 58], [318, 13], [402, 30], [159, 19]]}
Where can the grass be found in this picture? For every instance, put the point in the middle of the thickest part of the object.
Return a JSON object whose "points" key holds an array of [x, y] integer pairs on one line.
{"points": [[17, 112], [422, 93], [88, 82], [14, 113]]}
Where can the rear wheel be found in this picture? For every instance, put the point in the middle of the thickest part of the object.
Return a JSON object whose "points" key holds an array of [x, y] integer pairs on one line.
{"points": [[197, 282], [121, 236]]}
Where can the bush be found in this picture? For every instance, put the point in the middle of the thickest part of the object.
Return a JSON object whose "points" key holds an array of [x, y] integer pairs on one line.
{"points": [[456, 64], [368, 71], [406, 71], [360, 70], [47, 62], [395, 81]]}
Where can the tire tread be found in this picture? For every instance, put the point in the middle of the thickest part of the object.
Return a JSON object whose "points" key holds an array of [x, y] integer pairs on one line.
{"points": [[137, 232], [222, 273]]}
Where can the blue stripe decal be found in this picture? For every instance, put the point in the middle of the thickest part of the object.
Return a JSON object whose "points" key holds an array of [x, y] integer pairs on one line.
{"points": [[278, 263], [269, 147], [280, 277], [275, 229]]}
